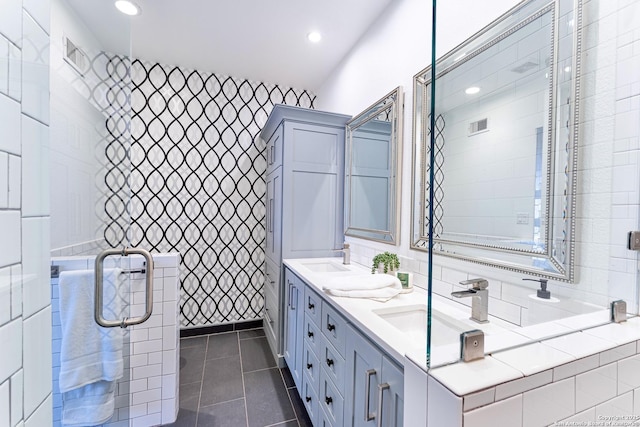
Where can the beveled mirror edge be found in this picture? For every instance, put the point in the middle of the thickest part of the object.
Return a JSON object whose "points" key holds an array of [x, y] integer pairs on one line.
{"points": [[391, 236], [563, 273]]}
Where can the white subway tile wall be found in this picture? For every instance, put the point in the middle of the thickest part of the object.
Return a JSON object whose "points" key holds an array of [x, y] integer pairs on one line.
{"points": [[148, 392], [584, 392], [25, 368]]}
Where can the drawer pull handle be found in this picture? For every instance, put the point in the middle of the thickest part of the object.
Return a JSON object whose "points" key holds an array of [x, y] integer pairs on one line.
{"points": [[331, 327], [311, 306], [308, 399], [328, 400], [310, 334], [329, 362], [309, 365], [381, 389], [367, 395]]}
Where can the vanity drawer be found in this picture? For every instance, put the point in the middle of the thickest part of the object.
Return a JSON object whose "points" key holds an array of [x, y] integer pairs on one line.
{"points": [[330, 400], [311, 367], [309, 396], [312, 335], [312, 305], [334, 365], [323, 420], [334, 327], [272, 276]]}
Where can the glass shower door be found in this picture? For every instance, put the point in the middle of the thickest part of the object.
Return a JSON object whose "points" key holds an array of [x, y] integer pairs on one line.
{"points": [[91, 87]]}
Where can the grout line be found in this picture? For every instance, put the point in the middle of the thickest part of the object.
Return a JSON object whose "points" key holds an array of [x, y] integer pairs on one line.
{"points": [[252, 338], [293, 407], [262, 369], [282, 423], [290, 400], [244, 391], [222, 403], [204, 365]]}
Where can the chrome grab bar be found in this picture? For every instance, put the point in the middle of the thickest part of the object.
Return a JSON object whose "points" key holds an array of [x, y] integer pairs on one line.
{"points": [[99, 276]]}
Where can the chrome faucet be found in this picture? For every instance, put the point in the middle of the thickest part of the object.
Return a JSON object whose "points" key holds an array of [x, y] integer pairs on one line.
{"points": [[479, 298], [346, 253]]}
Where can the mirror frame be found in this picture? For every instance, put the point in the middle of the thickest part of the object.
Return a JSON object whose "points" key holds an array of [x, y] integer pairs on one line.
{"points": [[514, 259], [394, 103]]}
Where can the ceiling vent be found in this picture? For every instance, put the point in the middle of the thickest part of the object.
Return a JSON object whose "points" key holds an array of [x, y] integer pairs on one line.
{"points": [[478, 126], [524, 67], [75, 56]]}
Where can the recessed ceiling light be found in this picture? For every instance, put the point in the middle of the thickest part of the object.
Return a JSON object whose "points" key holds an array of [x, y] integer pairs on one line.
{"points": [[567, 69], [314, 37], [472, 90], [128, 7]]}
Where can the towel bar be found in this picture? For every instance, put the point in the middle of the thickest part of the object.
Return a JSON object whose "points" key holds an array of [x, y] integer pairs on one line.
{"points": [[99, 276]]}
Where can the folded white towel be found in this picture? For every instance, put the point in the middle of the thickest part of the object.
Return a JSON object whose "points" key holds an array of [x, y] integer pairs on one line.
{"points": [[379, 287], [92, 404], [90, 356]]}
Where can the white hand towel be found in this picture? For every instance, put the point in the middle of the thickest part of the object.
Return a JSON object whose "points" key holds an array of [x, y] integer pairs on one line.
{"points": [[379, 287], [90, 355]]}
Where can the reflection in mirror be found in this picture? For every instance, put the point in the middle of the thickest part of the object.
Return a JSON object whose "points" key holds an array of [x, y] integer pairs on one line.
{"points": [[372, 185], [505, 147]]}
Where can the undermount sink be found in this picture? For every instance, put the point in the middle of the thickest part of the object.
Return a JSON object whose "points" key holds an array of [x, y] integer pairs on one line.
{"points": [[412, 321], [324, 267]]}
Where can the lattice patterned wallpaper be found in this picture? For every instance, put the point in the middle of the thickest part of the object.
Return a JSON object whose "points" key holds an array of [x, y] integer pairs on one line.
{"points": [[198, 183]]}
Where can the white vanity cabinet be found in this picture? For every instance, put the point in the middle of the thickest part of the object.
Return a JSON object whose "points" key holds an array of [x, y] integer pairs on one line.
{"points": [[304, 201], [340, 374]]}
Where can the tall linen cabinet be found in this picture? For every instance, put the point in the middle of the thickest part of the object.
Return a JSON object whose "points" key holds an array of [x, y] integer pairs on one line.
{"points": [[304, 201]]}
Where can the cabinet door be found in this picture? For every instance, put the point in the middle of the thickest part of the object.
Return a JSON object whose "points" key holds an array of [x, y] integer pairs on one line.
{"points": [[391, 395], [313, 212], [293, 347], [272, 322], [274, 150], [274, 216], [364, 370]]}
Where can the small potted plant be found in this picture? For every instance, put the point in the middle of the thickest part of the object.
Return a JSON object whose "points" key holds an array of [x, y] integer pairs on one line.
{"points": [[385, 263]]}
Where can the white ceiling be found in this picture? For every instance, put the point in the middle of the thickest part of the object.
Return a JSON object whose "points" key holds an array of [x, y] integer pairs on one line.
{"points": [[259, 40]]}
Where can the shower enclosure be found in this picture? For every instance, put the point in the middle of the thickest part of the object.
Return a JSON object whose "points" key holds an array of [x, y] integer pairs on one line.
{"points": [[90, 177]]}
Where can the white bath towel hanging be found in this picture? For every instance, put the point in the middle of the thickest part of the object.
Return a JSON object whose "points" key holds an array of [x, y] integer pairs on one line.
{"points": [[379, 287], [90, 356]]}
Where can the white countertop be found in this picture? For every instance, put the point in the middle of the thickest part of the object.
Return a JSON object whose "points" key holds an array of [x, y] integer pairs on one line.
{"points": [[396, 342], [506, 357]]}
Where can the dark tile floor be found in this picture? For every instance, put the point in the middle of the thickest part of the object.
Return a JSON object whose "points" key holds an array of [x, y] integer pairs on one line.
{"points": [[231, 379]]}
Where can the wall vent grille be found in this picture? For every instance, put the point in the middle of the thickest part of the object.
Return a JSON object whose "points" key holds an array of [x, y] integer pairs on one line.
{"points": [[75, 56], [478, 126]]}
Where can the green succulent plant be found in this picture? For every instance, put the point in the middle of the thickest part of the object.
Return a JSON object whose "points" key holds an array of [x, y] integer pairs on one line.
{"points": [[389, 261]]}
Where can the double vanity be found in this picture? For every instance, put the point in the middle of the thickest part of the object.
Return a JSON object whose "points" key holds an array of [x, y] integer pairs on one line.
{"points": [[358, 361]]}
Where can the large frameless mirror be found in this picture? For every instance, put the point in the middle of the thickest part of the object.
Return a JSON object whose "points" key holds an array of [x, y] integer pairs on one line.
{"points": [[372, 162], [505, 144]]}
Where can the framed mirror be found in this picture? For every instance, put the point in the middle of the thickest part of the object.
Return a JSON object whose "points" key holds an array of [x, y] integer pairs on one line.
{"points": [[506, 140], [373, 158]]}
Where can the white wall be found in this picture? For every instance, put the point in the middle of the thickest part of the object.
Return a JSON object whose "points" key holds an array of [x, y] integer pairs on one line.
{"points": [[77, 128], [25, 301], [489, 177], [609, 185], [390, 53]]}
